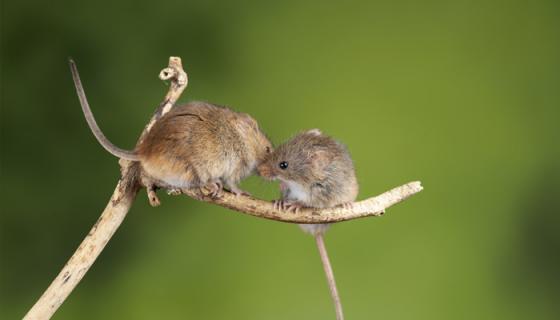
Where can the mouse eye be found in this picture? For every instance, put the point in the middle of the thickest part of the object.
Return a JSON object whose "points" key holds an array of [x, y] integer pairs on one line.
{"points": [[267, 149], [283, 165]]}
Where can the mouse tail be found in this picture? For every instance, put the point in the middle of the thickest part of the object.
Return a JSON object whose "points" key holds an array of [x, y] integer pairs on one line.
{"points": [[329, 274], [111, 148]]}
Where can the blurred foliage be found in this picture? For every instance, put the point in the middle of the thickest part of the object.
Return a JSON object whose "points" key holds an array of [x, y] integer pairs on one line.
{"points": [[462, 95]]}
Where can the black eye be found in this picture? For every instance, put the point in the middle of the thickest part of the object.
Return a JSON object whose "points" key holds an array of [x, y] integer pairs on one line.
{"points": [[283, 165], [267, 149]]}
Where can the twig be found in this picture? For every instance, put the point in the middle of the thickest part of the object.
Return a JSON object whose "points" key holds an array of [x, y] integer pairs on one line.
{"points": [[114, 213], [132, 179], [374, 206], [87, 252]]}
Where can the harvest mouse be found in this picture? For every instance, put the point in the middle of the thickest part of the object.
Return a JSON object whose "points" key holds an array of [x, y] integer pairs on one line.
{"points": [[314, 170], [192, 146]]}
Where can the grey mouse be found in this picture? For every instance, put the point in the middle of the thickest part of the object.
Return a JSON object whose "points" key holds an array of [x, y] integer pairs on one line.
{"points": [[316, 171]]}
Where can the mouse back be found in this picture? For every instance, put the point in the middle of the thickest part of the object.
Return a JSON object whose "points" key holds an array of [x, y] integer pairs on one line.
{"points": [[196, 143]]}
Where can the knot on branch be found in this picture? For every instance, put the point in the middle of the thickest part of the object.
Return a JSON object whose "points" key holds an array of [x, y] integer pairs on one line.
{"points": [[174, 71]]}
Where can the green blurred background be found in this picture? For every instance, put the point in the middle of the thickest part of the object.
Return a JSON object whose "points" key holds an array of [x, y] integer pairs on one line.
{"points": [[462, 95]]}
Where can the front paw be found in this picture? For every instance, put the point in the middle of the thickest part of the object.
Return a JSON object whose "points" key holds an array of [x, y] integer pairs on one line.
{"points": [[287, 205], [346, 205]]}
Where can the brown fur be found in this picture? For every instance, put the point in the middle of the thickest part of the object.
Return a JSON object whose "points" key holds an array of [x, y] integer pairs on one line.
{"points": [[200, 143]]}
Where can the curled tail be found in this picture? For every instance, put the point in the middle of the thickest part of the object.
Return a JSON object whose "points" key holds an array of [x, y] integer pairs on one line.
{"points": [[114, 150]]}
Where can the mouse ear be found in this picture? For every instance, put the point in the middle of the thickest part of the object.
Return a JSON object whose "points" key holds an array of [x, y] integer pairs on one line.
{"points": [[320, 159], [315, 132]]}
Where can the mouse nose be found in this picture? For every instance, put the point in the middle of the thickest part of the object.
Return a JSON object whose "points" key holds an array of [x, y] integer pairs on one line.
{"points": [[264, 171]]}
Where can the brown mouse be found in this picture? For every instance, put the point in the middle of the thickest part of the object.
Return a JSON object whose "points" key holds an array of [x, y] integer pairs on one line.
{"points": [[192, 146], [314, 170]]}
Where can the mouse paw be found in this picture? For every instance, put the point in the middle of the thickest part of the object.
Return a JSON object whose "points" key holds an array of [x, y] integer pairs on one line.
{"points": [[286, 205], [152, 196], [213, 189], [233, 188], [347, 205], [174, 191], [276, 204], [238, 192]]}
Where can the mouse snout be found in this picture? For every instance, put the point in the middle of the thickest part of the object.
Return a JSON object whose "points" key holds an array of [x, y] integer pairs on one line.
{"points": [[265, 171]]}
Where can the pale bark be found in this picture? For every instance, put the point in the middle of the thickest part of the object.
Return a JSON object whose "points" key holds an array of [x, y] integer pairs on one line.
{"points": [[374, 206]]}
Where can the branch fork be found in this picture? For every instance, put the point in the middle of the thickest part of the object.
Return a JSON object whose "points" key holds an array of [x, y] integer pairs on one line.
{"points": [[133, 179]]}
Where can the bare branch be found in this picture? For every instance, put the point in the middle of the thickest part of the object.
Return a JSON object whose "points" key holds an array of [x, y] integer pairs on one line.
{"points": [[263, 209], [87, 252], [112, 216], [132, 179], [179, 81]]}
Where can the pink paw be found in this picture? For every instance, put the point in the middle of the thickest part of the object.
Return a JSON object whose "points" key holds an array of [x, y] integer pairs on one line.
{"points": [[347, 205], [214, 189], [286, 205]]}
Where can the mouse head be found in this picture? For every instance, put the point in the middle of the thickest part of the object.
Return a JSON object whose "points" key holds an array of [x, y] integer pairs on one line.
{"points": [[257, 143], [303, 159]]}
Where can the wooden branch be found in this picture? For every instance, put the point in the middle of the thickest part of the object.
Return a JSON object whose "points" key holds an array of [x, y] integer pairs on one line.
{"points": [[114, 213], [264, 209], [132, 179], [87, 252], [179, 81]]}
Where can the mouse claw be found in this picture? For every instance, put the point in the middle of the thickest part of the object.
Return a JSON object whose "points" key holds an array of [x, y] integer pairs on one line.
{"points": [[293, 207], [213, 189], [174, 191], [286, 205], [347, 205], [233, 188], [276, 204], [238, 192]]}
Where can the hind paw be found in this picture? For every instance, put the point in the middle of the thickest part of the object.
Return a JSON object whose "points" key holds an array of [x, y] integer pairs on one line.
{"points": [[152, 196], [213, 189]]}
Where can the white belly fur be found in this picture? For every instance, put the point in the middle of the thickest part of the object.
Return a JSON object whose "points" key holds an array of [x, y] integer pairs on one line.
{"points": [[297, 192]]}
